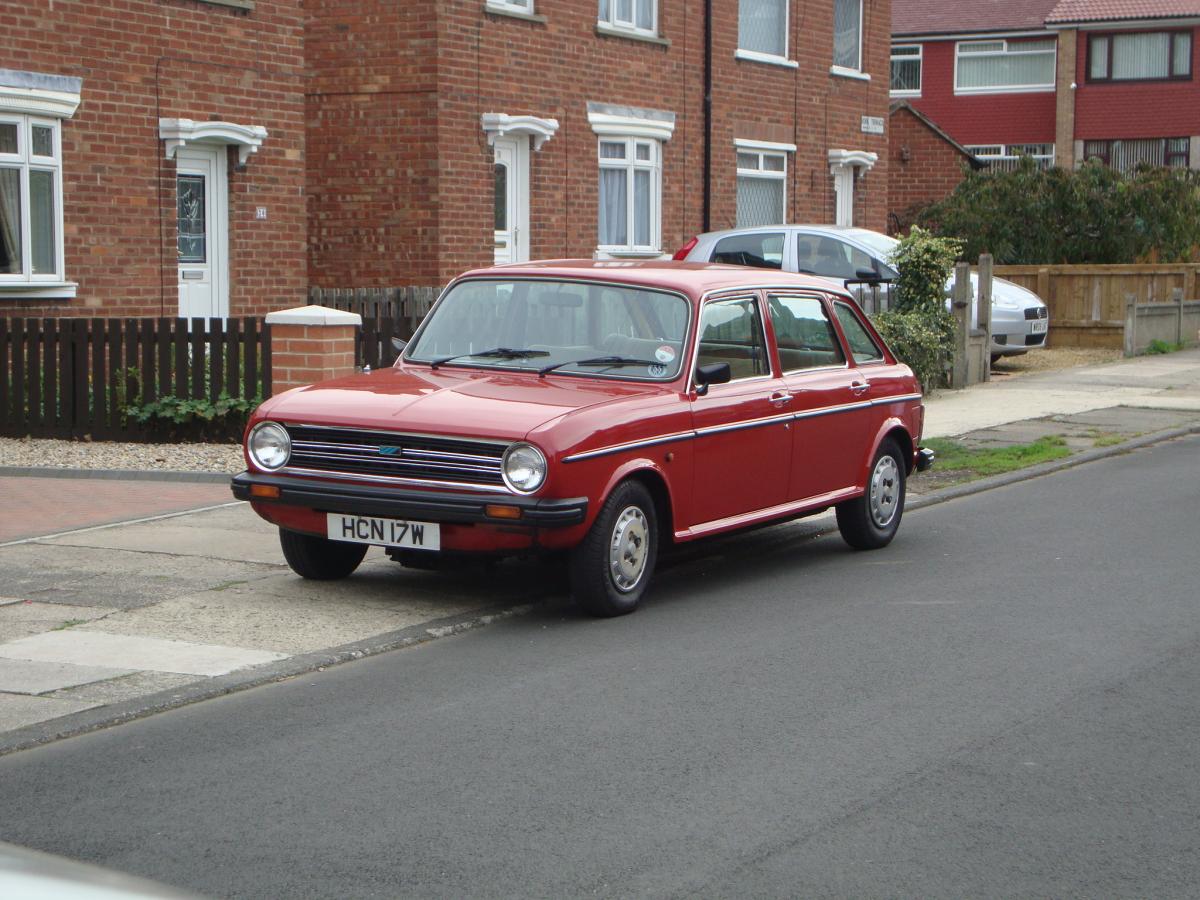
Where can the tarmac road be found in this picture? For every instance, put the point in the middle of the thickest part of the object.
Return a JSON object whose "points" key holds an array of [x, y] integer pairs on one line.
{"points": [[1001, 703]]}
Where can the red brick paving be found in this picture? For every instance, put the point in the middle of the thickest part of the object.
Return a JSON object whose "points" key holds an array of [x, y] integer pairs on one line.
{"points": [[37, 506]]}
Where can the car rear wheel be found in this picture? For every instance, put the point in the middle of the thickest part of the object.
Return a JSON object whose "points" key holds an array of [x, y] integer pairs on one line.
{"points": [[319, 558], [870, 521], [612, 566]]}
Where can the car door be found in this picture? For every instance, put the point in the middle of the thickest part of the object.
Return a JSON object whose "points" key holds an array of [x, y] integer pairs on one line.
{"points": [[743, 428], [832, 257], [873, 379], [826, 402]]}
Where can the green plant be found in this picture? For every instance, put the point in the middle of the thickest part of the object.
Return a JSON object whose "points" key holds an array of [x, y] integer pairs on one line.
{"points": [[189, 410], [954, 456], [69, 623], [1158, 346], [923, 340], [924, 261]]}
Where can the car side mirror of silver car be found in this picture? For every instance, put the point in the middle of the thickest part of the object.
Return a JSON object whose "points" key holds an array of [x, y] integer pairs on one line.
{"points": [[399, 344], [713, 373]]}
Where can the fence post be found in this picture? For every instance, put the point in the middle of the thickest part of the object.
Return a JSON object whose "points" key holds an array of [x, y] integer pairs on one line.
{"points": [[309, 344], [1177, 296], [1130, 325], [961, 307], [985, 312]]}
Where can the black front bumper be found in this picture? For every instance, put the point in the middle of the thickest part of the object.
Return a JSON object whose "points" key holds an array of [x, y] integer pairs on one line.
{"points": [[395, 503]]}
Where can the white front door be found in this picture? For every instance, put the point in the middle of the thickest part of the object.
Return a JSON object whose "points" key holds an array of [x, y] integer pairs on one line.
{"points": [[843, 191], [512, 199], [202, 197]]}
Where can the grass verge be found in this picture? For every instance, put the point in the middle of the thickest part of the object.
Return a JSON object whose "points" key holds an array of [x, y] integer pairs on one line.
{"points": [[954, 456]]}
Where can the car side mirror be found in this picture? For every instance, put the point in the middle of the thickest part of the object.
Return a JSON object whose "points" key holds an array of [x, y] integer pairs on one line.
{"points": [[713, 373], [399, 344], [870, 276]]}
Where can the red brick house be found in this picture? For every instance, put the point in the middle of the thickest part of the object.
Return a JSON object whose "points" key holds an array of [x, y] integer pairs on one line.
{"points": [[1058, 80], [151, 157], [449, 134], [924, 164]]}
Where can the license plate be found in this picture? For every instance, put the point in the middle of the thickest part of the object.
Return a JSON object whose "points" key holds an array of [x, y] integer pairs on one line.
{"points": [[383, 532], [1039, 326]]}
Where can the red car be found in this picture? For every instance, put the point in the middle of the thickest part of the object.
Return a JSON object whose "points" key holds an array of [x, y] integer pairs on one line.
{"points": [[608, 409]]}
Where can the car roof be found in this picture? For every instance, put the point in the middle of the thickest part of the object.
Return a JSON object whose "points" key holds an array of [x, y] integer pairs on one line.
{"points": [[693, 278], [848, 230]]}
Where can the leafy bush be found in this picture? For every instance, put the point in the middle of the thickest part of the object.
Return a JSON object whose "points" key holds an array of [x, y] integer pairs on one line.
{"points": [[924, 262], [196, 418], [922, 339], [1093, 214]]}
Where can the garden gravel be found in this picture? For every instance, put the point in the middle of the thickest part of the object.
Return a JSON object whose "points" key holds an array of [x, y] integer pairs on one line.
{"points": [[56, 454]]}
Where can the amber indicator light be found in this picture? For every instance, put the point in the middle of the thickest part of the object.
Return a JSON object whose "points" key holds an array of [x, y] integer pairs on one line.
{"points": [[496, 511], [264, 490]]}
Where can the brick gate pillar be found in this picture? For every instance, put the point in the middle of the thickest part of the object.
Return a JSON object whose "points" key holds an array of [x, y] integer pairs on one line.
{"points": [[309, 344]]}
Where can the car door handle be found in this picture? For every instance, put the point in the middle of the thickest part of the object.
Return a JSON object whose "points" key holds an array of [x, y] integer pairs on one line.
{"points": [[858, 388], [780, 397]]}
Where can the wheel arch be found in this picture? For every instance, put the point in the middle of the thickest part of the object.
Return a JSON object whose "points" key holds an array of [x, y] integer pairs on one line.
{"points": [[896, 430], [655, 482]]}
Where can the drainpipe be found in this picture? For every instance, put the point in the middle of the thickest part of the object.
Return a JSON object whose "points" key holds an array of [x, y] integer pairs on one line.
{"points": [[708, 46]]}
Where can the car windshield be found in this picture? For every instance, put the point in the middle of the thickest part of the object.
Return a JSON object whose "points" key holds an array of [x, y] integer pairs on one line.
{"points": [[879, 244], [559, 327]]}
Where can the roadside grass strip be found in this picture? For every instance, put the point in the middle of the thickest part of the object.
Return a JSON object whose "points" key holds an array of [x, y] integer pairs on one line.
{"points": [[954, 456]]}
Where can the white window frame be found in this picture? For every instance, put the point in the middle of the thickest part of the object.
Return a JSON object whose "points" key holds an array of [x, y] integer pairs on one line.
{"points": [[919, 56], [1003, 153], [853, 71], [770, 58], [764, 149], [25, 162], [1006, 50], [611, 23], [631, 164], [520, 7]]}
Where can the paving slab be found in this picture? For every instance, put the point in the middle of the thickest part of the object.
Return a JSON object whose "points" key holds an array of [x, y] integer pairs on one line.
{"points": [[28, 677], [33, 617], [19, 710], [130, 687], [98, 648]]}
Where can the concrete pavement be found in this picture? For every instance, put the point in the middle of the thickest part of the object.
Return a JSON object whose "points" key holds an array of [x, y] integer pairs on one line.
{"points": [[108, 623]]}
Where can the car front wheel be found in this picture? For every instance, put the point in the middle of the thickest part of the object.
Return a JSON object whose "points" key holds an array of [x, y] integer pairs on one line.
{"points": [[870, 521], [612, 566], [319, 558]]}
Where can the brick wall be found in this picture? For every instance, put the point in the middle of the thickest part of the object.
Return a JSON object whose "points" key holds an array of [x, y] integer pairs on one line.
{"points": [[922, 167], [145, 59]]}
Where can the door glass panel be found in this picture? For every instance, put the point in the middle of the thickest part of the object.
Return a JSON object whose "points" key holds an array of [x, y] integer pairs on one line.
{"points": [[41, 222], [731, 331], [10, 222], [501, 197], [804, 334], [830, 257], [763, 250], [862, 345], [43, 141], [192, 219], [8, 137]]}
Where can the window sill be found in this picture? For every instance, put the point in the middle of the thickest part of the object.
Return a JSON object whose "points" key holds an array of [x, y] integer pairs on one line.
{"points": [[843, 72], [245, 5], [769, 59], [628, 254], [64, 290], [904, 95], [605, 30], [497, 10], [1040, 89]]}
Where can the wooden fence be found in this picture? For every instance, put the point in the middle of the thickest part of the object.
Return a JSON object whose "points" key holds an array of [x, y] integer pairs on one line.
{"points": [[386, 313], [1088, 303], [78, 377]]}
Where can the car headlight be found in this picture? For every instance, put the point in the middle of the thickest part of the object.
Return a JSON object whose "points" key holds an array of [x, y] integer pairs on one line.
{"points": [[524, 468], [269, 445]]}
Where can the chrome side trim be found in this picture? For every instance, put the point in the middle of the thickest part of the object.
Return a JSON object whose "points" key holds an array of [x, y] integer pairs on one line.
{"points": [[899, 398], [630, 445], [742, 426], [390, 479], [832, 410]]}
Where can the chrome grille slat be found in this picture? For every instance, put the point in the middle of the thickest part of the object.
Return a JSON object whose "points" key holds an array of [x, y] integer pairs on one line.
{"points": [[350, 452]]}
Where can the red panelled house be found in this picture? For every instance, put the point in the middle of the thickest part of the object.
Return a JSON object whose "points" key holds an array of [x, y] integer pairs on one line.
{"points": [[217, 157], [1058, 80]]}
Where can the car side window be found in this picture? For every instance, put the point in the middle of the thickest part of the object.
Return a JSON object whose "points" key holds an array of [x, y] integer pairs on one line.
{"points": [[731, 331], [862, 345], [803, 333], [762, 250], [827, 256]]}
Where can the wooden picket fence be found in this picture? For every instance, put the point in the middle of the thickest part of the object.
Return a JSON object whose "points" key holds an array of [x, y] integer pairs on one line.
{"points": [[78, 377]]}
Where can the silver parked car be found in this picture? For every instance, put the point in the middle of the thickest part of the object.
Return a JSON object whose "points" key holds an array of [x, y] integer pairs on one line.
{"points": [[1019, 317]]}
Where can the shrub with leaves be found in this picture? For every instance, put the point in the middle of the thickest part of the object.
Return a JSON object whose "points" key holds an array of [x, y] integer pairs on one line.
{"points": [[924, 262], [921, 339]]}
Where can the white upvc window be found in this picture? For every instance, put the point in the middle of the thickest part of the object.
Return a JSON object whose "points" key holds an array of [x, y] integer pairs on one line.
{"points": [[635, 16], [761, 186], [31, 211], [763, 30], [906, 70], [1003, 66], [630, 195], [1007, 157], [517, 6], [847, 36]]}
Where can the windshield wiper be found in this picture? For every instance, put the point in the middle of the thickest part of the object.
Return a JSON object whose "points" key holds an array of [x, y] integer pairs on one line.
{"points": [[599, 361], [496, 353]]}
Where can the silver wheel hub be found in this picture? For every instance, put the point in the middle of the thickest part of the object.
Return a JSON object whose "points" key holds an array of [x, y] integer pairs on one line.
{"points": [[627, 549], [885, 491]]}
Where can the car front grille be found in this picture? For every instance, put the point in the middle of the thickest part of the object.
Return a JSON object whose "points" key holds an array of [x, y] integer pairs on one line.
{"points": [[1036, 312], [389, 454]]}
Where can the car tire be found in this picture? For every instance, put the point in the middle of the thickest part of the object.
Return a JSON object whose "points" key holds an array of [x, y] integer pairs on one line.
{"points": [[611, 568], [318, 558], [870, 521]]}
